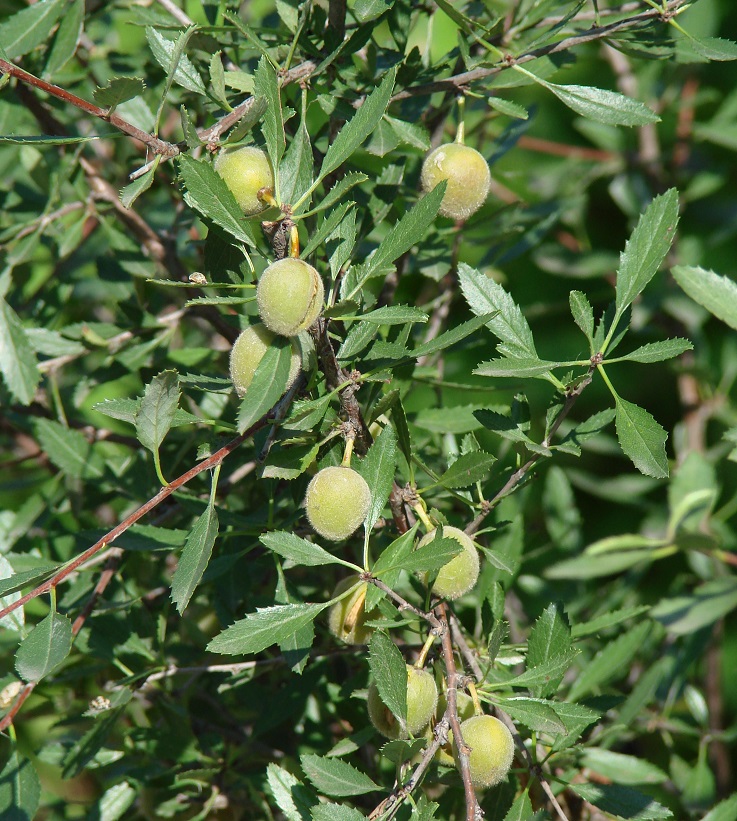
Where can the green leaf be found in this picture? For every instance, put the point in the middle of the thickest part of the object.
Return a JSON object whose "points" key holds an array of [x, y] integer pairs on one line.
{"points": [[295, 171], [29, 27], [66, 39], [26, 578], [17, 360], [45, 139], [607, 620], [602, 105], [683, 615], [508, 108], [535, 714], [724, 811], [115, 802], [542, 673], [394, 315], [117, 90], [195, 557], [68, 449], [266, 85], [484, 296], [268, 384], [430, 557], [451, 337], [133, 190], [332, 776], [658, 351], [290, 794], [17, 619], [44, 648], [646, 248], [208, 193], [378, 470], [299, 551], [340, 189], [336, 812], [169, 54], [714, 48], [358, 128], [390, 556], [156, 411], [20, 789], [623, 802], [549, 638], [716, 293], [622, 769], [389, 672], [521, 809], [641, 438], [583, 314], [612, 662], [367, 10], [468, 469], [267, 626], [519, 367]]}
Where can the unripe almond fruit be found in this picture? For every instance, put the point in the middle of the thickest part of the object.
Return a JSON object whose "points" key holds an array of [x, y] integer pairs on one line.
{"points": [[249, 349], [290, 296], [422, 698], [465, 707], [347, 617], [246, 171], [460, 574], [468, 176], [337, 501], [492, 750]]}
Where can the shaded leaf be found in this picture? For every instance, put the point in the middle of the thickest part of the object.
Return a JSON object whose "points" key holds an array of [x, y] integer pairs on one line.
{"points": [[44, 648]]}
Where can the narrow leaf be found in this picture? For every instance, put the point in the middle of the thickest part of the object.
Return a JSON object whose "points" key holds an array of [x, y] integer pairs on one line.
{"points": [[658, 351], [583, 313], [195, 558], [268, 384], [519, 367], [66, 39], [169, 54], [389, 672], [17, 360], [68, 449], [45, 647], [30, 27], [20, 788], [378, 470], [297, 550], [266, 85], [468, 469], [332, 776], [623, 802], [602, 105]]}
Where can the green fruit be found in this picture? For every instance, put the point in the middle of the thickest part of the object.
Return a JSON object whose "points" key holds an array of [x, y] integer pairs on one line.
{"points": [[492, 750], [460, 574], [468, 176], [422, 698], [248, 351], [464, 705], [346, 618], [337, 501], [290, 296], [246, 171]]}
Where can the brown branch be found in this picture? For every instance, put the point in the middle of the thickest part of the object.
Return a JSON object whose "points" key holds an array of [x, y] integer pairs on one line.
{"points": [[430, 618], [7, 719], [459, 81], [105, 578]]}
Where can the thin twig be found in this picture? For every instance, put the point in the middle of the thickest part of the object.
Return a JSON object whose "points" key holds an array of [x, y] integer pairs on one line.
{"points": [[430, 618]]}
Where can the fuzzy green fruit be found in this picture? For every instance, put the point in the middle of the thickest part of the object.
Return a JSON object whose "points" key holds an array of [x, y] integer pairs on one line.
{"points": [[246, 171], [468, 176], [492, 750], [460, 574], [337, 501], [464, 704], [422, 698], [247, 352], [347, 617], [290, 296]]}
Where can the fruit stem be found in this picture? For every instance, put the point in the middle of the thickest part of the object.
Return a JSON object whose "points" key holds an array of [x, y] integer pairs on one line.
{"points": [[429, 641], [461, 133], [419, 509], [267, 195], [475, 698], [348, 453]]}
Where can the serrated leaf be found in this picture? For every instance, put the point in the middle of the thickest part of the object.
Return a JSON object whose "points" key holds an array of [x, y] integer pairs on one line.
{"points": [[451, 337], [521, 809], [195, 558], [297, 550], [44, 648], [641, 438], [20, 789], [336, 812], [29, 27], [716, 293], [611, 662], [392, 555], [429, 557], [646, 248], [340, 189], [508, 108], [468, 469], [378, 470], [583, 313], [266, 85], [484, 296], [208, 193], [550, 637], [724, 811], [291, 796], [684, 615], [66, 38], [358, 128], [167, 52], [268, 384], [17, 619], [332, 776], [156, 411], [394, 315], [658, 351], [118, 90], [295, 170], [115, 801], [622, 802], [714, 48], [622, 769], [133, 191], [519, 367], [68, 449], [537, 715], [543, 673], [267, 626], [389, 671], [26, 578], [606, 620], [17, 360], [602, 105]]}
